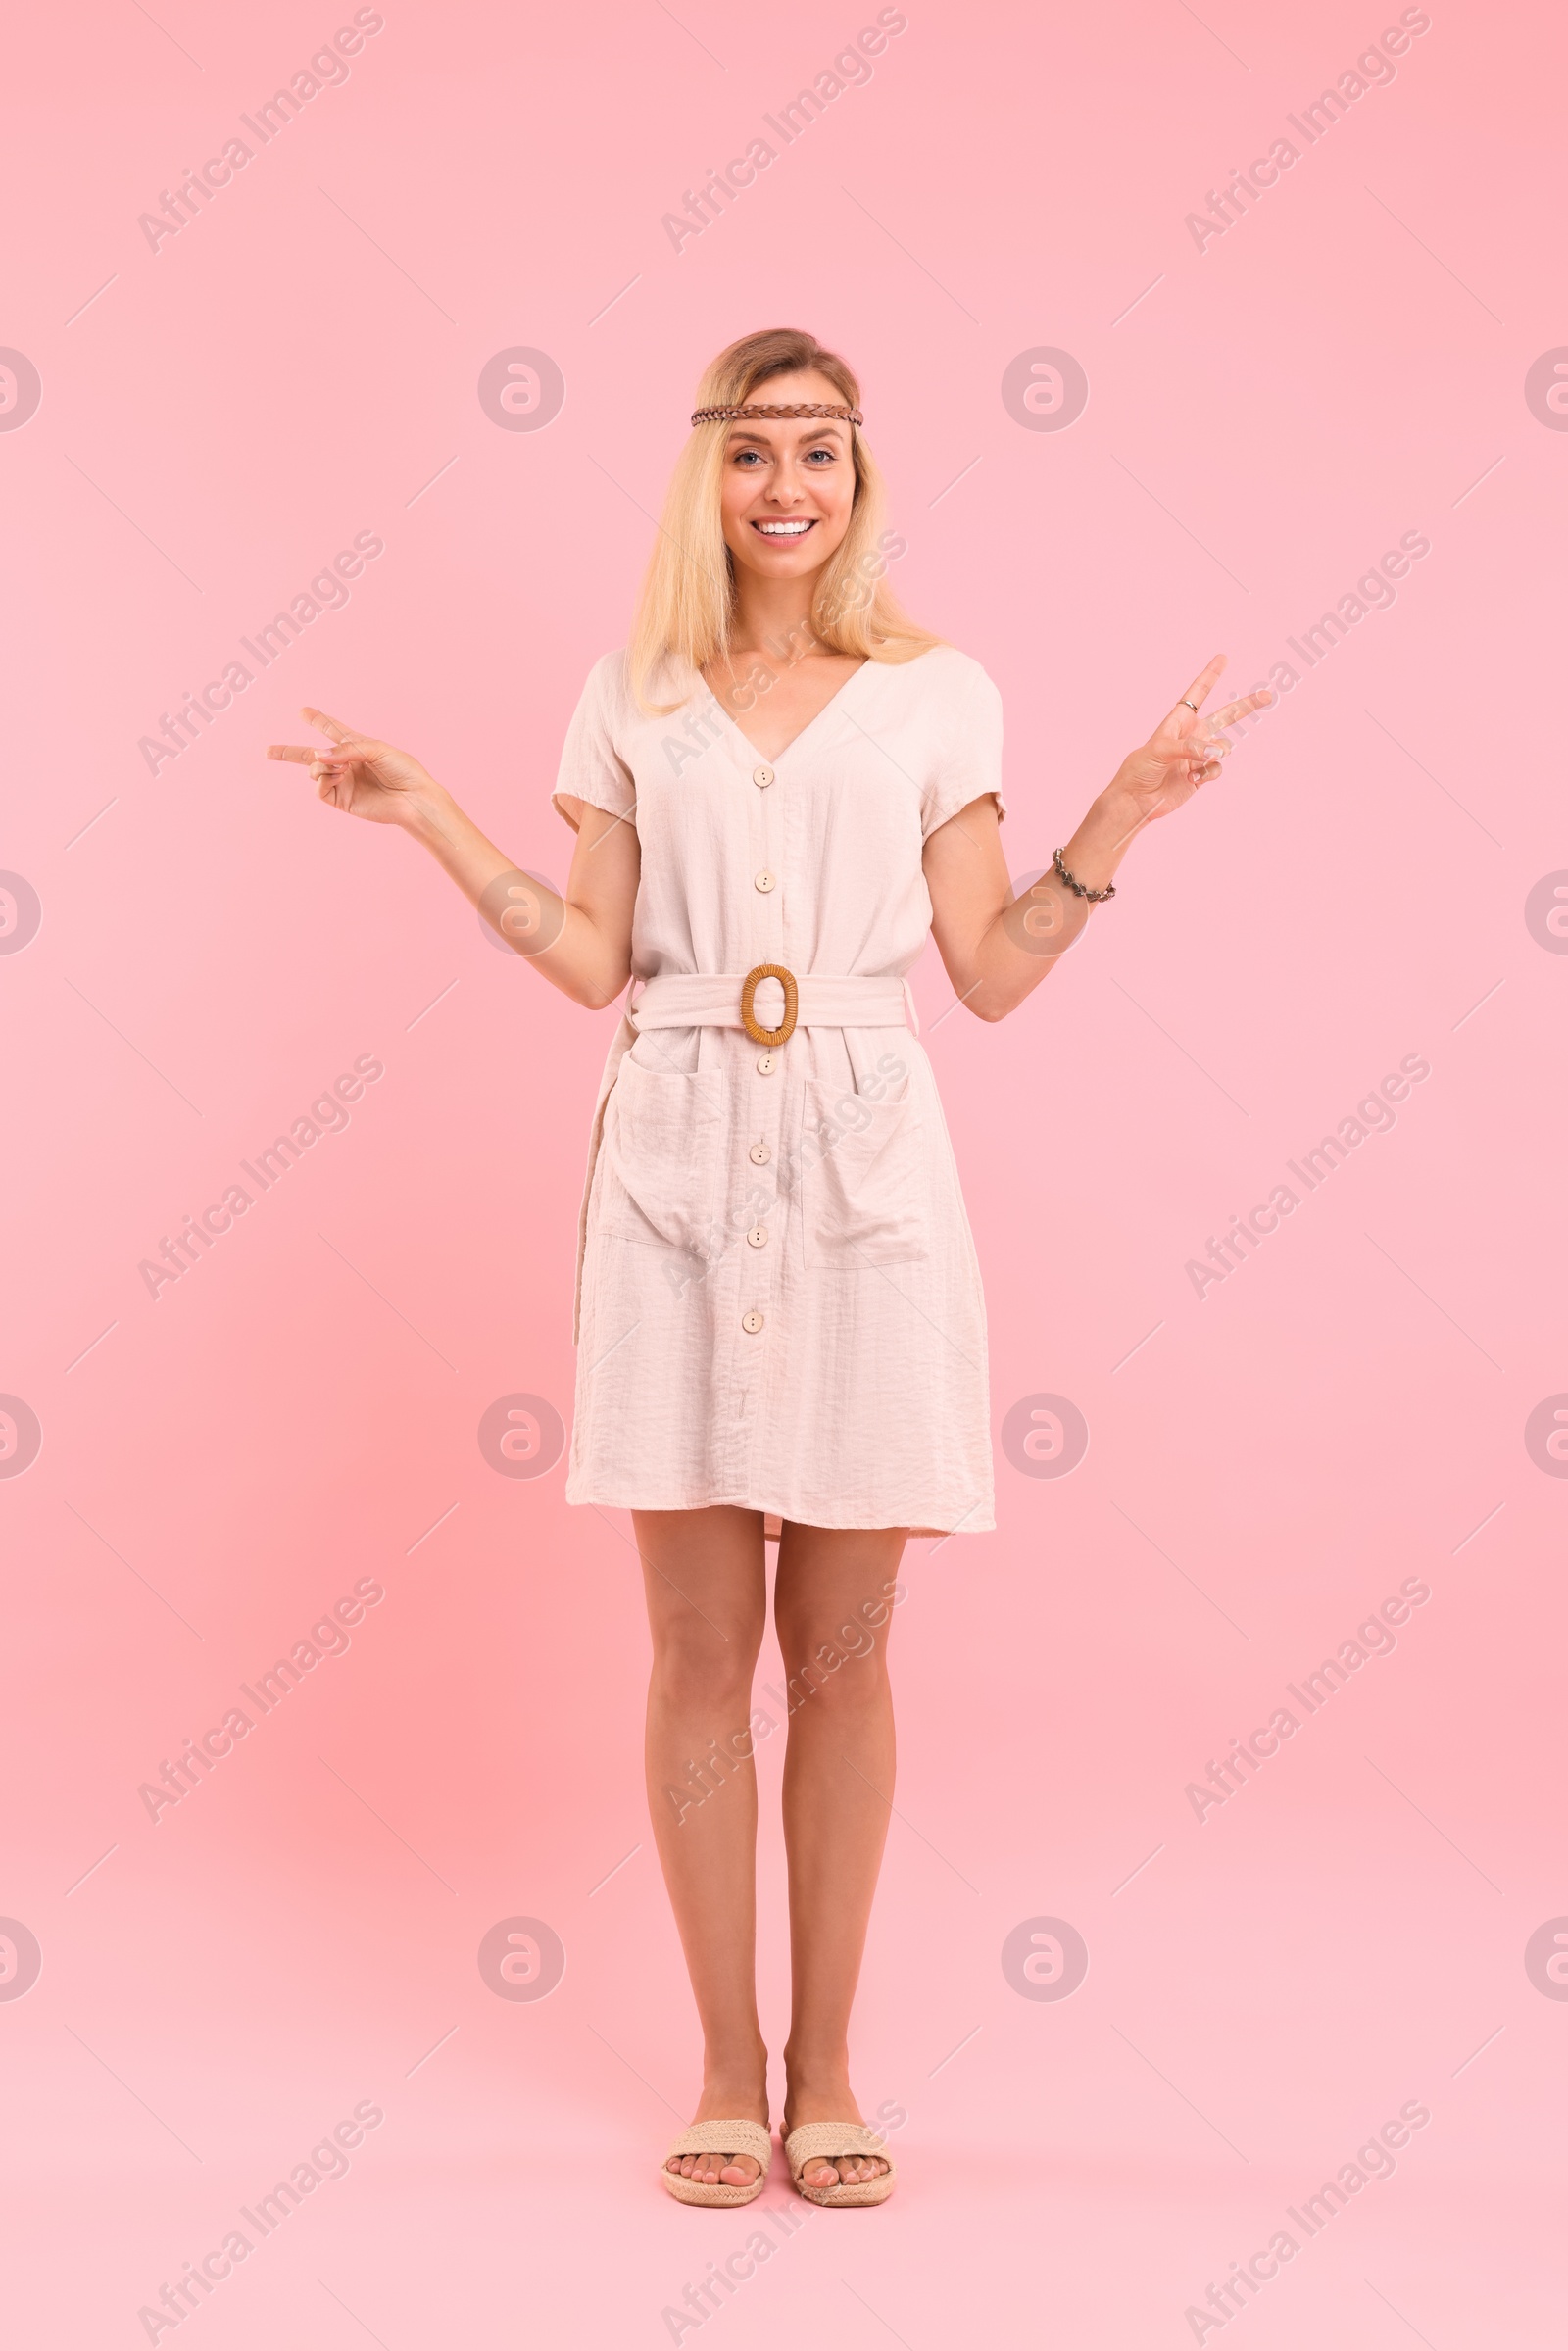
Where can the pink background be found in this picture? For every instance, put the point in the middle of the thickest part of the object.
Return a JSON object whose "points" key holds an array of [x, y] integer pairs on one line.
{"points": [[1266, 417]]}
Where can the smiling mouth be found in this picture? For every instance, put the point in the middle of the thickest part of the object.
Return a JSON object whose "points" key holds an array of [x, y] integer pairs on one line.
{"points": [[785, 534]]}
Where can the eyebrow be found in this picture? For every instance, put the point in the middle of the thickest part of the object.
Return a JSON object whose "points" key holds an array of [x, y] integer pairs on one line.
{"points": [[828, 431]]}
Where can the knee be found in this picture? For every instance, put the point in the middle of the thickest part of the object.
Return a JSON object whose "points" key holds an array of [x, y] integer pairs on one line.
{"points": [[700, 1668], [835, 1669]]}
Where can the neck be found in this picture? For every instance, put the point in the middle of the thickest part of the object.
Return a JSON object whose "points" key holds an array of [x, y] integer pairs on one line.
{"points": [[772, 615]]}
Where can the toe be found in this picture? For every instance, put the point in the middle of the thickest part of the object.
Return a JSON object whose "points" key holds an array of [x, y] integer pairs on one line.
{"points": [[818, 2173], [739, 2171]]}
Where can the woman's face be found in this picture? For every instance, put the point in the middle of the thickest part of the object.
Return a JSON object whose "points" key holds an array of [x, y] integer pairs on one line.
{"points": [[788, 482]]}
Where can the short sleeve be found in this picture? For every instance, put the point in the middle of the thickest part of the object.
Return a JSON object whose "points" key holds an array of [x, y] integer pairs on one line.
{"points": [[591, 771], [967, 753]]}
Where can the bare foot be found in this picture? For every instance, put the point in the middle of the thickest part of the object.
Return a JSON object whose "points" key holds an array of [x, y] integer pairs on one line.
{"points": [[734, 2104], [834, 2103]]}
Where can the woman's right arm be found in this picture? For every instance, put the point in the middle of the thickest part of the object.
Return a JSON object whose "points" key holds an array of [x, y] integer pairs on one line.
{"points": [[581, 943]]}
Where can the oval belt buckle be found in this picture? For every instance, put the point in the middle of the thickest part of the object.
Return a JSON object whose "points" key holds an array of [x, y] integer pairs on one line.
{"points": [[792, 996]]}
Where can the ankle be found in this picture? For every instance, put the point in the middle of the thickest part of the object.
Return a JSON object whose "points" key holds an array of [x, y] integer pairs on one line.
{"points": [[818, 2070], [733, 2067]]}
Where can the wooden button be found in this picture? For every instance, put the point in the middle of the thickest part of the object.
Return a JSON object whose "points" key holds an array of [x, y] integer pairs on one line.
{"points": [[767, 1064], [752, 1322], [758, 1235], [762, 776], [766, 881], [760, 1154]]}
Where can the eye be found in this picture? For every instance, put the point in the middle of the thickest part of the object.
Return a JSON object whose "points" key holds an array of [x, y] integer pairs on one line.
{"points": [[747, 456], [827, 455]]}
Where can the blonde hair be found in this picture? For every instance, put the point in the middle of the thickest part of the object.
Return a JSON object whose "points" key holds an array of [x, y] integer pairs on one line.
{"points": [[687, 604]]}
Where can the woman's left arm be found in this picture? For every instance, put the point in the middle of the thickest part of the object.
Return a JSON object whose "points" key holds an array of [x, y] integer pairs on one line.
{"points": [[996, 947]]}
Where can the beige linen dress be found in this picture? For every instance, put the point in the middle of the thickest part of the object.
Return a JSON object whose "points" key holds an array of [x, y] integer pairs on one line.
{"points": [[779, 1302]]}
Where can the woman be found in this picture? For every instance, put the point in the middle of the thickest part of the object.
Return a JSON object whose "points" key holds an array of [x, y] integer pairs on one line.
{"points": [[776, 792]]}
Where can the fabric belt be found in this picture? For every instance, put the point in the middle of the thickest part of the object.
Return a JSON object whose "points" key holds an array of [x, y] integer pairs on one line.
{"points": [[678, 1000]]}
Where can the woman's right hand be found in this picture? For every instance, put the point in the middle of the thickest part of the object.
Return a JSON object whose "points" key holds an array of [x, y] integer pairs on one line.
{"points": [[580, 943], [361, 775]]}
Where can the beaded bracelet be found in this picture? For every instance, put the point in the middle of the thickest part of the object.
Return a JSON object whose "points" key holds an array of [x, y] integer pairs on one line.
{"points": [[1073, 883]]}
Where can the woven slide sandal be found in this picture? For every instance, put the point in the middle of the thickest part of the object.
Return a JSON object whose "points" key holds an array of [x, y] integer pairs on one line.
{"points": [[720, 2138], [815, 2143]]}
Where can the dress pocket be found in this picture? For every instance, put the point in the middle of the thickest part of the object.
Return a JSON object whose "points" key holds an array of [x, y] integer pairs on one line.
{"points": [[664, 1153], [862, 1180]]}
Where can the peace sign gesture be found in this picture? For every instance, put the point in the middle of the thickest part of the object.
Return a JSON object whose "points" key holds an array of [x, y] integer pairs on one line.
{"points": [[1185, 749], [358, 774]]}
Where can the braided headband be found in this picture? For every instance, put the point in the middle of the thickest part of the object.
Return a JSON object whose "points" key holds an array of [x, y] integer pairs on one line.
{"points": [[814, 408]]}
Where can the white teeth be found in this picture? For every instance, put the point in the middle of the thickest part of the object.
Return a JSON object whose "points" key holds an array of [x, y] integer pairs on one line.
{"points": [[784, 530]]}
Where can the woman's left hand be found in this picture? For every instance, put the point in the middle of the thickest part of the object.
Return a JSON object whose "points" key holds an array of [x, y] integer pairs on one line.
{"points": [[1185, 749]]}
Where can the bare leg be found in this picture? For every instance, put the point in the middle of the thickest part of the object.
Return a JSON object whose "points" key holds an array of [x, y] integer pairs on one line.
{"points": [[707, 1587], [833, 1586]]}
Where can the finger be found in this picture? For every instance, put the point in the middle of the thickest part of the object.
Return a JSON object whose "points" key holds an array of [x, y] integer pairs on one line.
{"points": [[331, 726], [302, 753], [1198, 751], [1203, 683], [1232, 711]]}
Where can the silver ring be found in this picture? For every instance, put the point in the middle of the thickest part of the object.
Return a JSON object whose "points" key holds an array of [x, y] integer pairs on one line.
{"points": [[1190, 706]]}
